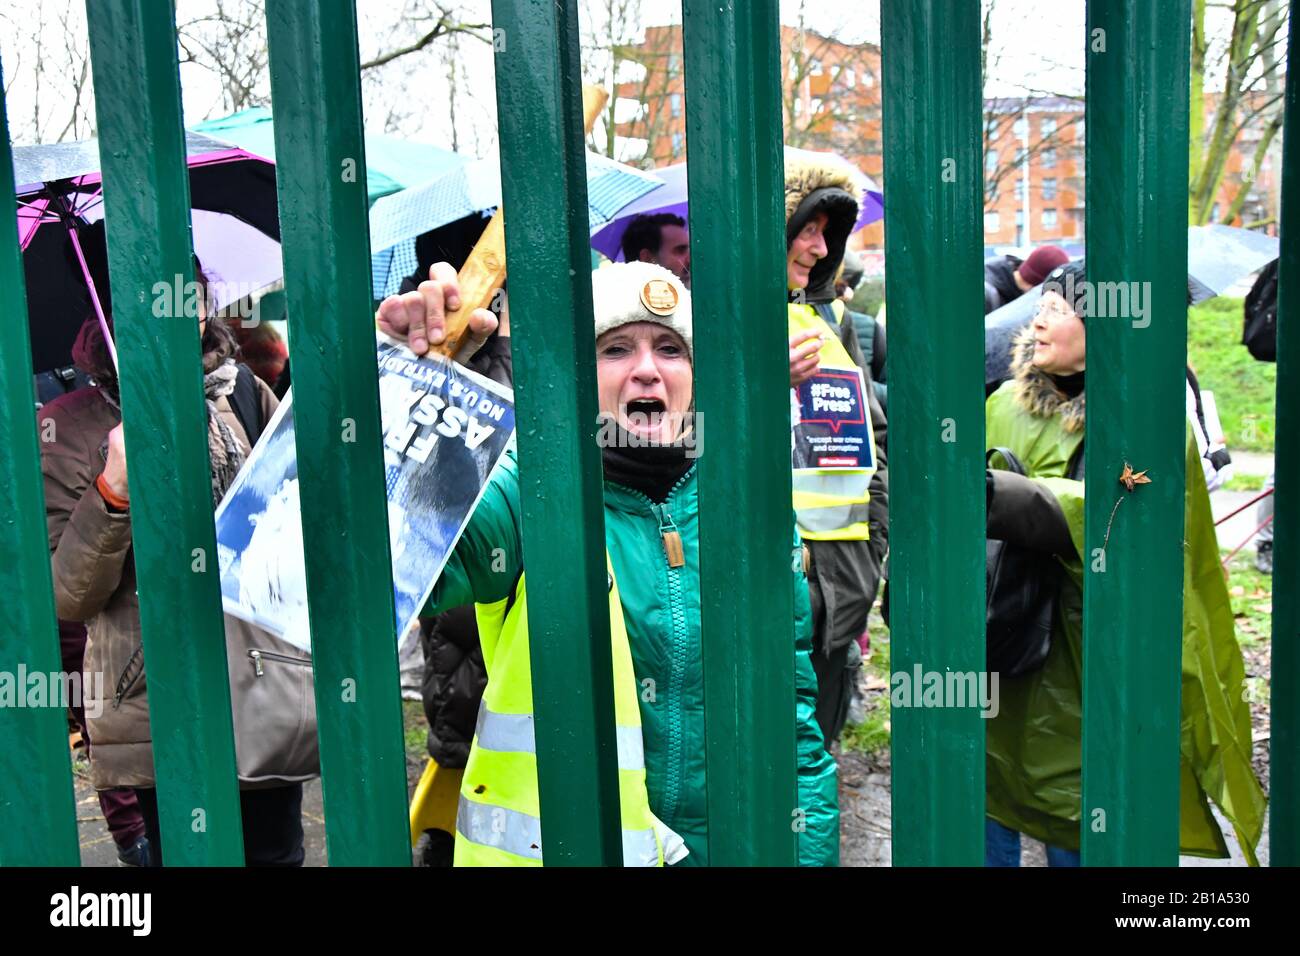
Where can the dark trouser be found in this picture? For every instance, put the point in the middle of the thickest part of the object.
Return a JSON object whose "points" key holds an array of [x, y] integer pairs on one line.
{"points": [[834, 685], [272, 825], [118, 805]]}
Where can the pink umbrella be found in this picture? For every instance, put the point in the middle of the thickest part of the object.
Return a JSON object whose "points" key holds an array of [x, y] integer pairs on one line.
{"points": [[234, 218]]}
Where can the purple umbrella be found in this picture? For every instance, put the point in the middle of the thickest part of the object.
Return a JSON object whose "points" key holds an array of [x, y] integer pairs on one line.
{"points": [[671, 198], [60, 230]]}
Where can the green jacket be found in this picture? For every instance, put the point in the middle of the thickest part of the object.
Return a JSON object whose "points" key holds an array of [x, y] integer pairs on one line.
{"points": [[661, 607], [1033, 744]]}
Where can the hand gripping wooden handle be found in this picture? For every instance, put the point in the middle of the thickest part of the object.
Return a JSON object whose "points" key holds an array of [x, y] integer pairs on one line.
{"points": [[485, 269], [480, 280]]}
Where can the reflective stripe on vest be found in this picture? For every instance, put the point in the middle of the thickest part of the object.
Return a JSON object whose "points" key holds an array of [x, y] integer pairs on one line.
{"points": [[513, 733], [833, 518], [521, 834], [854, 483], [498, 820]]}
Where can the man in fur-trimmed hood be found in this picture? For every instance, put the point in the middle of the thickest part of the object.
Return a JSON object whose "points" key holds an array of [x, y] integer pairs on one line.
{"points": [[843, 512]]}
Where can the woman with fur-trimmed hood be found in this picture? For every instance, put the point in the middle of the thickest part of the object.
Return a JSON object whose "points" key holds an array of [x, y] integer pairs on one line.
{"points": [[841, 497], [1033, 744]]}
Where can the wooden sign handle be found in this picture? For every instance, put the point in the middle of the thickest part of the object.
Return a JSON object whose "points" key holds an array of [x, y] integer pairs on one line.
{"points": [[485, 269]]}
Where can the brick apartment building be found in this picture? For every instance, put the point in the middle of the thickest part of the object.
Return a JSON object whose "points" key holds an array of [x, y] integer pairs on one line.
{"points": [[1033, 146], [1033, 171]]}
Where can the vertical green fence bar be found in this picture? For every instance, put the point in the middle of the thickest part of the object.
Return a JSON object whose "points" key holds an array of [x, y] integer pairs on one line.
{"points": [[1284, 745], [544, 191], [147, 218], [321, 183], [1137, 114], [733, 117], [38, 815], [933, 282]]}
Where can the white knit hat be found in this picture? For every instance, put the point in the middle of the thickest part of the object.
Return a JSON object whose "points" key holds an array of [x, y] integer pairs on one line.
{"points": [[626, 292]]}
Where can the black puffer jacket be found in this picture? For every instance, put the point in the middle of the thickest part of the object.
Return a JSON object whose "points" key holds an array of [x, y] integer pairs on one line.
{"points": [[1000, 282], [454, 675]]}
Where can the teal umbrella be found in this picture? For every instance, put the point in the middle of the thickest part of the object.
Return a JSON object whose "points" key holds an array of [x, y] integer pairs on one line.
{"points": [[392, 164]]}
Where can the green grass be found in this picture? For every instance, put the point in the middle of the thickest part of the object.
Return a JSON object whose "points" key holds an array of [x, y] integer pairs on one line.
{"points": [[872, 735], [417, 728], [1251, 594], [1243, 388], [1245, 483]]}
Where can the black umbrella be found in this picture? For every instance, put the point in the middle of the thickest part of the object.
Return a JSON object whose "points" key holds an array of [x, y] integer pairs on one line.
{"points": [[60, 228]]}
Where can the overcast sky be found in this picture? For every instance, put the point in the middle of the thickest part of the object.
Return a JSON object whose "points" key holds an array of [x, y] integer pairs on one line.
{"points": [[1037, 47]]}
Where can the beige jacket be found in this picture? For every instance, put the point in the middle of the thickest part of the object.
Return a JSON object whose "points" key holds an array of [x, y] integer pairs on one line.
{"points": [[94, 582]]}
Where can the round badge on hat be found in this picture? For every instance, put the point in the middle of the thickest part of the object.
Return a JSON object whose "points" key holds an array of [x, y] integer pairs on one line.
{"points": [[659, 297]]}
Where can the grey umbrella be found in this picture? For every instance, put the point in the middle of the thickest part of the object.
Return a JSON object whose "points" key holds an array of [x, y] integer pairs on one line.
{"points": [[54, 161], [1218, 257]]}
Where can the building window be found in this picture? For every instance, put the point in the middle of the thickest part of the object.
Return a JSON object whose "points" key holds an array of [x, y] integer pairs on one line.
{"points": [[1049, 218], [1020, 218], [1021, 128], [673, 63], [868, 79], [850, 79], [676, 103], [1047, 127], [1049, 189], [992, 222], [798, 106], [1048, 159], [991, 161], [815, 105], [677, 143], [814, 67]]}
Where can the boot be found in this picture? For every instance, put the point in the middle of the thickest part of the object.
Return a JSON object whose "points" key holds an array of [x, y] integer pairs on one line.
{"points": [[137, 854], [1264, 557]]}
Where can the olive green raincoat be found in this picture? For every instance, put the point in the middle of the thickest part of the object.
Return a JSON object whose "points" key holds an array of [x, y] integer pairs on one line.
{"points": [[1033, 745]]}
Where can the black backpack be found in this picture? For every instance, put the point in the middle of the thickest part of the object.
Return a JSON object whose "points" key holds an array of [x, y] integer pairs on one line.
{"points": [[246, 404], [1021, 605], [1259, 333]]}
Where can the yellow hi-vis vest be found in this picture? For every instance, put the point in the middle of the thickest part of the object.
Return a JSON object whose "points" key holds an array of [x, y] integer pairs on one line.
{"points": [[498, 822], [830, 504]]}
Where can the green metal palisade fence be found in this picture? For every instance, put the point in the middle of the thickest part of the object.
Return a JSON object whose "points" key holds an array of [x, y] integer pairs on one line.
{"points": [[544, 181], [324, 229], [1284, 746], [933, 244], [38, 820], [733, 111], [147, 221], [1137, 168], [1137, 114]]}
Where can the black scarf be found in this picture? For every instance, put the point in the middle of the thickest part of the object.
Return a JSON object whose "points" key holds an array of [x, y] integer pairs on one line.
{"points": [[652, 470], [1070, 385]]}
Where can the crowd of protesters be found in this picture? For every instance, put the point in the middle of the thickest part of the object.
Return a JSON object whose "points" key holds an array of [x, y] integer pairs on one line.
{"points": [[477, 682]]}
